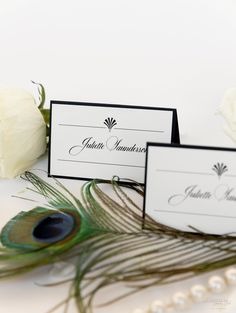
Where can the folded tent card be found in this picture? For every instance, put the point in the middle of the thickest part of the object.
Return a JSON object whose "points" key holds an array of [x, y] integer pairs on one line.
{"points": [[191, 187], [89, 140], [186, 187]]}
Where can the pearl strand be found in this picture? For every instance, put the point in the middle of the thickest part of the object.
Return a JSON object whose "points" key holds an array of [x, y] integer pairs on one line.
{"points": [[196, 294]]}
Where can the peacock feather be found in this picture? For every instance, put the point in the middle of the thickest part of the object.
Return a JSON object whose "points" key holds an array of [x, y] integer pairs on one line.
{"points": [[109, 242]]}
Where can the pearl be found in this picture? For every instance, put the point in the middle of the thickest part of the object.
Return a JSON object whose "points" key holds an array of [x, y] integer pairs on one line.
{"points": [[157, 307], [216, 284], [181, 301], [198, 293], [230, 275]]}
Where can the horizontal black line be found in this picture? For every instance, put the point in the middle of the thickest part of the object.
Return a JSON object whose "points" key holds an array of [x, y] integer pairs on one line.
{"points": [[126, 165], [185, 172], [193, 147], [86, 126], [117, 128], [188, 213], [140, 130], [198, 173], [108, 105]]}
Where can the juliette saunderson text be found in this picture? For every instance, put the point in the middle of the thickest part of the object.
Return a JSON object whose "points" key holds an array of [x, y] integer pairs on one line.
{"points": [[113, 143], [220, 193]]}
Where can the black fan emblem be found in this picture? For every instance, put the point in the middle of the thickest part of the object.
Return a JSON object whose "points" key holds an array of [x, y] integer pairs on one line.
{"points": [[220, 169], [110, 122]]}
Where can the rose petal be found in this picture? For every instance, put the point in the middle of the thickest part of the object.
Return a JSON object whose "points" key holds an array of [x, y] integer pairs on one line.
{"points": [[22, 132]]}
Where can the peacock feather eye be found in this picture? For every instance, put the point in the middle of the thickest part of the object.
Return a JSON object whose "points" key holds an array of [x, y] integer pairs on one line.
{"points": [[41, 227], [53, 228]]}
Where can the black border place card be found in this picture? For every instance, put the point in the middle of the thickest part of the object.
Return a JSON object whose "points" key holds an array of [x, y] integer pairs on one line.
{"points": [[90, 140], [191, 187]]}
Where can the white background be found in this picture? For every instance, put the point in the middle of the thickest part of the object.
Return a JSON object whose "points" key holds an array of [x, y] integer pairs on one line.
{"points": [[178, 53], [175, 53]]}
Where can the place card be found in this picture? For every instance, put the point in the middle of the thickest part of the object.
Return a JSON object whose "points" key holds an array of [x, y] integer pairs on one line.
{"points": [[89, 140], [191, 186]]}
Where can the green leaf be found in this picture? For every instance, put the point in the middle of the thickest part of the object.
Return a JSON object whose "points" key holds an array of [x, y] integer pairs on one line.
{"points": [[42, 94]]}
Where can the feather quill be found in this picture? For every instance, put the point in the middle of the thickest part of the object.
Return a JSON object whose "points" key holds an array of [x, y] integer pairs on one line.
{"points": [[110, 242]]}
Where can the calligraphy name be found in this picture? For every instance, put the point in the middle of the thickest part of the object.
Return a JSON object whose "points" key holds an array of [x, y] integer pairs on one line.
{"points": [[113, 143], [220, 193]]}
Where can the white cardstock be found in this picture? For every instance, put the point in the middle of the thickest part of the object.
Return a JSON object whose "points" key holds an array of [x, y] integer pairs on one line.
{"points": [[90, 141], [191, 186]]}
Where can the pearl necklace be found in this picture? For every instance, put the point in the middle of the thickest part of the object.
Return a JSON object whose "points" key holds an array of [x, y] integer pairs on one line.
{"points": [[196, 294]]}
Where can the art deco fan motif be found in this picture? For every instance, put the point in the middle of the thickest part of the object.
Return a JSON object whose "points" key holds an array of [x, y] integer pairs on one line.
{"points": [[110, 122], [220, 169], [108, 241]]}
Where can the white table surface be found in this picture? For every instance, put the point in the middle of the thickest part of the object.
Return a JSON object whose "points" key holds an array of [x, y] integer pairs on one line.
{"points": [[174, 53]]}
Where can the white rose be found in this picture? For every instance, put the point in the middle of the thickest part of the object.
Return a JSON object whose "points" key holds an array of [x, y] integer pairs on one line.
{"points": [[228, 111], [22, 132]]}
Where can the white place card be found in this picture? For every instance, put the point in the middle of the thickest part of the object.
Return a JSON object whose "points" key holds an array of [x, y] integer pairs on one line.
{"points": [[191, 186], [90, 140]]}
